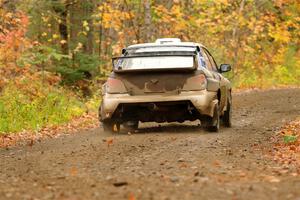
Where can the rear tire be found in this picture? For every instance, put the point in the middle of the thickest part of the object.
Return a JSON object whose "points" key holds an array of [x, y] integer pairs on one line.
{"points": [[110, 126], [212, 124], [228, 115]]}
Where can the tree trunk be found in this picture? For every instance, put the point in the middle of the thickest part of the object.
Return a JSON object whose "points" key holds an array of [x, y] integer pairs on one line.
{"points": [[147, 8], [75, 24], [62, 10], [235, 38], [90, 36], [63, 30]]}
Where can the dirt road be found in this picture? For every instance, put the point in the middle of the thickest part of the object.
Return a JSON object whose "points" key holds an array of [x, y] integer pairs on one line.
{"points": [[168, 162]]}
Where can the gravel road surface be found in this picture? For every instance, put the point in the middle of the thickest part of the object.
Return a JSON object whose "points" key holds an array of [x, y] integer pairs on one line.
{"points": [[171, 161]]}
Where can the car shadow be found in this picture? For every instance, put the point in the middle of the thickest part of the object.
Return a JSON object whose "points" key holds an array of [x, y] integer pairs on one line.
{"points": [[173, 128]]}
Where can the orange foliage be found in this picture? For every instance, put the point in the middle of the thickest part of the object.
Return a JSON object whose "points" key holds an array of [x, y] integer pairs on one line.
{"points": [[286, 152], [12, 44]]}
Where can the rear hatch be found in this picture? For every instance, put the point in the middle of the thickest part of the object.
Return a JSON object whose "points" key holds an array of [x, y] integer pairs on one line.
{"points": [[156, 69], [141, 83]]}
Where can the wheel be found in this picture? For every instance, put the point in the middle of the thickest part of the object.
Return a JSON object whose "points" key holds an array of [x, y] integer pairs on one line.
{"points": [[228, 114], [212, 124], [110, 126], [131, 125]]}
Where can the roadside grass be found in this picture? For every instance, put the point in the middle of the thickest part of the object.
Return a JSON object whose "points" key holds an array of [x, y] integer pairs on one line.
{"points": [[34, 106]]}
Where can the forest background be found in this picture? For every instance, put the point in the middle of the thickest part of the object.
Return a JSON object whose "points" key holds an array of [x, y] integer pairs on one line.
{"points": [[55, 54]]}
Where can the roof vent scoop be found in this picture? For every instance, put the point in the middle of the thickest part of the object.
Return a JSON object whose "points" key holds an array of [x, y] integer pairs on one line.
{"points": [[167, 40]]}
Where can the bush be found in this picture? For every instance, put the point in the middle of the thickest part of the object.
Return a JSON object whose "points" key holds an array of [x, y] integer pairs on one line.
{"points": [[36, 106], [71, 68], [81, 66]]}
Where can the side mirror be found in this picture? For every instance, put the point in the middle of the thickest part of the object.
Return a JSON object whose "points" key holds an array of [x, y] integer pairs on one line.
{"points": [[225, 68]]}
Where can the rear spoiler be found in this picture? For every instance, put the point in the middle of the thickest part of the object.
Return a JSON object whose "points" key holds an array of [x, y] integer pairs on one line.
{"points": [[197, 48], [156, 54]]}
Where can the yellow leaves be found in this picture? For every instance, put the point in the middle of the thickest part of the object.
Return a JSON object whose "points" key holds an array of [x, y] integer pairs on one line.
{"points": [[279, 56], [78, 47], [117, 48], [55, 36], [280, 3], [251, 23], [111, 17], [173, 18], [9, 15], [280, 34], [176, 11], [225, 2], [45, 19], [63, 42], [76, 110], [85, 23], [219, 4]]}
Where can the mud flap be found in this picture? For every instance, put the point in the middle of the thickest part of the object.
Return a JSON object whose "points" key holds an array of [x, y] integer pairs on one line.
{"points": [[212, 107]]}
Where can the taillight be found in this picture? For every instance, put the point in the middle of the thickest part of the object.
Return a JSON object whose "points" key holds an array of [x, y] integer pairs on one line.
{"points": [[197, 82], [114, 86]]}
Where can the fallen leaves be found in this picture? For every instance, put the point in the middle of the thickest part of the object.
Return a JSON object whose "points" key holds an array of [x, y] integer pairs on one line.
{"points": [[131, 197], [84, 122], [109, 141], [73, 171], [286, 150], [217, 163], [30, 143]]}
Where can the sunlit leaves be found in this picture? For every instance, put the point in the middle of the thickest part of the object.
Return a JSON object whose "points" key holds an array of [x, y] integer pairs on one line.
{"points": [[280, 34], [111, 17]]}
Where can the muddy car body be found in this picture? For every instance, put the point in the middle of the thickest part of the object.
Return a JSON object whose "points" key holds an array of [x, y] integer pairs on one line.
{"points": [[166, 81]]}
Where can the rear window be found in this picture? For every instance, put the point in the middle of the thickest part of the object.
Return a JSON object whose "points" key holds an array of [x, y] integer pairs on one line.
{"points": [[155, 62]]}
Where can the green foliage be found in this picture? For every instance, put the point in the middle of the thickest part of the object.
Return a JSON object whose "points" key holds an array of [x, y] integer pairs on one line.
{"points": [[21, 110], [290, 139], [41, 56], [81, 66]]}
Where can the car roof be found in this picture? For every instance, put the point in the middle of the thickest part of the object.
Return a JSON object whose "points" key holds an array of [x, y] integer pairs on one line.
{"points": [[166, 42], [181, 44]]}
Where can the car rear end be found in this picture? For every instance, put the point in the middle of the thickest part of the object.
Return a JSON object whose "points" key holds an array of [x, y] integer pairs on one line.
{"points": [[158, 83]]}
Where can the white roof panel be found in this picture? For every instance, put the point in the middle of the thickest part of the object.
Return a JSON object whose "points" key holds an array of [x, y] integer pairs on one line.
{"points": [[177, 44]]}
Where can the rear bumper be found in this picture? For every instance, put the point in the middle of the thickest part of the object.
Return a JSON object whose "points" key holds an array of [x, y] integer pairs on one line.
{"points": [[202, 100]]}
